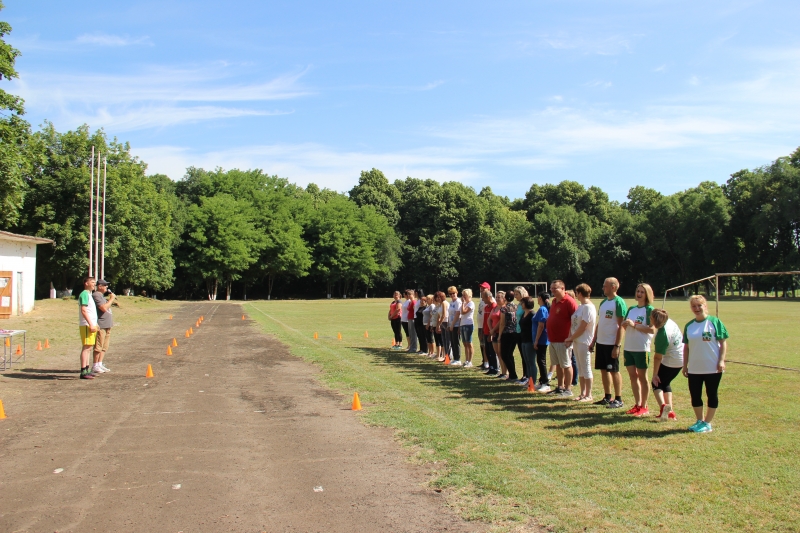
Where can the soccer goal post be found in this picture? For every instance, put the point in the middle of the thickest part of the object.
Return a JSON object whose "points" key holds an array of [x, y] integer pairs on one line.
{"points": [[533, 287], [715, 282]]}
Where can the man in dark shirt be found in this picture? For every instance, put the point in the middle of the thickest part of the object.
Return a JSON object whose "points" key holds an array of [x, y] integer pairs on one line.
{"points": [[104, 323]]}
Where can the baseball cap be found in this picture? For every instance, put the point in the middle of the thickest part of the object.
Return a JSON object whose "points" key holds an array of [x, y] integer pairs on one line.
{"points": [[485, 285], [102, 282]]}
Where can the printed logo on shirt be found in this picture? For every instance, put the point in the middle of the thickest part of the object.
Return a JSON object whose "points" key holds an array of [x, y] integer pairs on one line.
{"points": [[707, 336], [639, 320], [677, 341], [609, 313]]}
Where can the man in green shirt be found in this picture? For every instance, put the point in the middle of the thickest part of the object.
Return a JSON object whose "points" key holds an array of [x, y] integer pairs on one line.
{"points": [[87, 325]]}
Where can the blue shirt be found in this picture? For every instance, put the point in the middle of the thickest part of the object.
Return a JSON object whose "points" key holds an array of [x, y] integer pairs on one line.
{"points": [[540, 318]]}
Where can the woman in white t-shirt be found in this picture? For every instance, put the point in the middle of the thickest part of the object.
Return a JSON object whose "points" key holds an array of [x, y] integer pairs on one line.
{"points": [[705, 342], [581, 334], [667, 360], [467, 326], [639, 333]]}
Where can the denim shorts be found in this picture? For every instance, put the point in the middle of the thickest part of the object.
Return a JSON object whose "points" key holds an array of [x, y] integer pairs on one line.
{"points": [[466, 333]]}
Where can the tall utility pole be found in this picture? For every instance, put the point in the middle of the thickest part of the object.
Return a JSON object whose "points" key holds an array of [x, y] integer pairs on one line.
{"points": [[103, 247], [97, 222], [91, 214]]}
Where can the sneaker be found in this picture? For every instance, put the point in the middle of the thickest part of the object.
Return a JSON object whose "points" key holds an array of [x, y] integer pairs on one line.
{"points": [[485, 366], [468, 364], [633, 410], [97, 369], [615, 404], [491, 373], [502, 376], [643, 411], [705, 427], [694, 427], [105, 368], [87, 376], [557, 390], [672, 416], [604, 401], [456, 363], [543, 388], [566, 393], [549, 376], [661, 412], [522, 382]]}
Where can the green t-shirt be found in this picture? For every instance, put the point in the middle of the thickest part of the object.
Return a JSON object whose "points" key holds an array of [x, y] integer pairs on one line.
{"points": [[85, 299]]}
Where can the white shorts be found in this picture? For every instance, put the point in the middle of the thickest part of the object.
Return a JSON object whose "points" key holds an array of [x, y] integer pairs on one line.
{"points": [[559, 355], [584, 359]]}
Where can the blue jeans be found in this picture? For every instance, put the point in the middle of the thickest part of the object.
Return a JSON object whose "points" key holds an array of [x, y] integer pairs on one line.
{"points": [[466, 333], [529, 359]]}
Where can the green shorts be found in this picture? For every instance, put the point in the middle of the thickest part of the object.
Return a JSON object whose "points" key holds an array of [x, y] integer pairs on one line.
{"points": [[637, 359]]}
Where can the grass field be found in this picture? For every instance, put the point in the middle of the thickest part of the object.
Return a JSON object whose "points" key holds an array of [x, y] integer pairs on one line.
{"points": [[516, 459]]}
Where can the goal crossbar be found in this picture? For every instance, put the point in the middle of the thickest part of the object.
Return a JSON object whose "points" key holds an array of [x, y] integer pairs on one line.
{"points": [[523, 283], [716, 277]]}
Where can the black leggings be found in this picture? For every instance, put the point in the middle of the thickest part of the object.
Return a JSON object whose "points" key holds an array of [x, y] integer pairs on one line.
{"points": [[665, 376], [491, 357], [711, 381], [405, 327], [429, 338], [438, 337], [541, 362], [507, 344], [421, 338], [455, 346], [398, 335]]}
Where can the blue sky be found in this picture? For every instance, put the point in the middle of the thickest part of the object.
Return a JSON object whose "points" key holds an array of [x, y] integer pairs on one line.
{"points": [[504, 94]]}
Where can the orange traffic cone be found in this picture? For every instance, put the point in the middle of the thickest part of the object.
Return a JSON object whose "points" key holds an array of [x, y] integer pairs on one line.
{"points": [[393, 343], [169, 349], [170, 317], [447, 358], [339, 336], [242, 317], [202, 318], [530, 385], [197, 324], [39, 345], [366, 334], [175, 342], [47, 343], [356, 402], [8, 341], [3, 412], [187, 333], [19, 350], [316, 335], [149, 373], [191, 331]]}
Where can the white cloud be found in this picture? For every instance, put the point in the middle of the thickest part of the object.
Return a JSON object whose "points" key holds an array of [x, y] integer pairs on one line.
{"points": [[104, 39]]}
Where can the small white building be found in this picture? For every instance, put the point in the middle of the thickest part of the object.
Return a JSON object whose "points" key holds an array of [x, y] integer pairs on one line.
{"points": [[18, 273]]}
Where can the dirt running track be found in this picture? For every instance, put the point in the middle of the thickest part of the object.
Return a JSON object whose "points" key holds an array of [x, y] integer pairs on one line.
{"points": [[240, 425]]}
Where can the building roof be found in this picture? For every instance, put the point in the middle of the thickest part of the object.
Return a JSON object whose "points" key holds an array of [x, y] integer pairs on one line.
{"points": [[8, 236]]}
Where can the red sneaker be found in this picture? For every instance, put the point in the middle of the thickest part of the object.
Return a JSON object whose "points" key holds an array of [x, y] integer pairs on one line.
{"points": [[661, 412], [643, 411], [633, 410], [672, 415]]}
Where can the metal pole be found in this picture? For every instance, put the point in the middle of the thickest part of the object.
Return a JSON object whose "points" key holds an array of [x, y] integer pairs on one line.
{"points": [[716, 279], [97, 221], [103, 254], [91, 215]]}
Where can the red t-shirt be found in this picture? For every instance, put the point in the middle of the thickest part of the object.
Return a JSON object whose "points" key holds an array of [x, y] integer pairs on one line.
{"points": [[494, 316], [560, 319], [487, 310], [395, 309]]}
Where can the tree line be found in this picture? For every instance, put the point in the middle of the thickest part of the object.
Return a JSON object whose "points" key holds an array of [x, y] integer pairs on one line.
{"points": [[248, 234]]}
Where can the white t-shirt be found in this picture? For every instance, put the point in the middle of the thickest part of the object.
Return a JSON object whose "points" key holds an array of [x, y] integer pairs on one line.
{"points": [[444, 310], [586, 313], [467, 319], [455, 309], [404, 314], [638, 341], [669, 343], [481, 305], [434, 314], [607, 325], [703, 340]]}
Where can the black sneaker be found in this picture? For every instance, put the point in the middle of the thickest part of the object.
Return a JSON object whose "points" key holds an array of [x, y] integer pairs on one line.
{"points": [[557, 390], [492, 373], [604, 401], [87, 376], [614, 404]]}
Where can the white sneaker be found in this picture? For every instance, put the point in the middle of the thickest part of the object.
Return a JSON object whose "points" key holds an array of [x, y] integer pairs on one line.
{"points": [[485, 366], [549, 376], [544, 388], [468, 364], [97, 369], [456, 363], [105, 368]]}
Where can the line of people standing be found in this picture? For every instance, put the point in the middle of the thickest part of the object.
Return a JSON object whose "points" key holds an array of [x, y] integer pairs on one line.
{"points": [[567, 325]]}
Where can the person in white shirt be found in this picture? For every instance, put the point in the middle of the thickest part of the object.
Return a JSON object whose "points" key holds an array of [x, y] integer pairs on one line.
{"points": [[580, 338], [638, 333], [481, 336], [467, 325], [667, 361], [404, 315], [453, 325]]}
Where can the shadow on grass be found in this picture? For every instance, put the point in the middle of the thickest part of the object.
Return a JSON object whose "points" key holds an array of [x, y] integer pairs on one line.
{"points": [[47, 377], [492, 393]]}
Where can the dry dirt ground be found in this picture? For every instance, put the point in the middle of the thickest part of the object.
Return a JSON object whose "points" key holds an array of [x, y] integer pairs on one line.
{"points": [[232, 434]]}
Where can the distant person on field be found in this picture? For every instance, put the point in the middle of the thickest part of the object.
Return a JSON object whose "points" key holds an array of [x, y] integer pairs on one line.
{"points": [[87, 325], [519, 294], [580, 338], [526, 339], [404, 315], [608, 341], [559, 322], [426, 320], [507, 335], [411, 312], [467, 325], [572, 359], [104, 323], [638, 337], [489, 305], [419, 322], [540, 342], [395, 312], [442, 326], [494, 331], [454, 323], [667, 361], [436, 319], [481, 335], [705, 341]]}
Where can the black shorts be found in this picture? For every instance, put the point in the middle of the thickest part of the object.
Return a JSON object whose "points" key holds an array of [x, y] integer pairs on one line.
{"points": [[603, 359]]}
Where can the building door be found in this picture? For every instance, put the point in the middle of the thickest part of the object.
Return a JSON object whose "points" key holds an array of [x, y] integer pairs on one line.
{"points": [[20, 298], [5, 294]]}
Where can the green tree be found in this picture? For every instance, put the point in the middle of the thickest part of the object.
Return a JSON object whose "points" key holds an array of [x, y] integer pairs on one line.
{"points": [[374, 189], [14, 133]]}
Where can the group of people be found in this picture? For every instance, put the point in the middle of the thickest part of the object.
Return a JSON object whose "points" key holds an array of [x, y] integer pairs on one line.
{"points": [[94, 325], [566, 324]]}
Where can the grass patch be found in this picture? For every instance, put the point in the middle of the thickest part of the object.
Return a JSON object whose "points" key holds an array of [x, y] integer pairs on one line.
{"points": [[509, 457]]}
